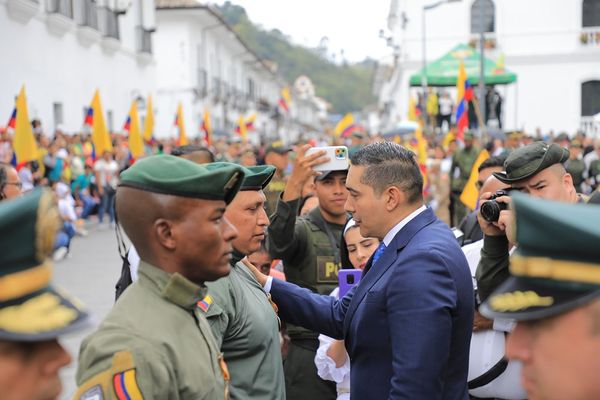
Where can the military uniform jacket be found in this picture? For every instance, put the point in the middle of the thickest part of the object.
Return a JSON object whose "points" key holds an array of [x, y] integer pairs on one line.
{"points": [[154, 344], [247, 329], [306, 251]]}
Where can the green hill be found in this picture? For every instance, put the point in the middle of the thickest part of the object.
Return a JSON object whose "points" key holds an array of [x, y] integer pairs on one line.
{"points": [[347, 87]]}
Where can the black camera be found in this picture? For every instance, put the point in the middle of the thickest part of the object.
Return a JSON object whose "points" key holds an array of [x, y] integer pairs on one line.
{"points": [[490, 210]]}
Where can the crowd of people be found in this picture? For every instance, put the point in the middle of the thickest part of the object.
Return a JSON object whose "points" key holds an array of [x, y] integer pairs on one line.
{"points": [[231, 286]]}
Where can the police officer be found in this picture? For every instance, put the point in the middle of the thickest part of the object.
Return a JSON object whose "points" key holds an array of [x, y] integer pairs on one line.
{"points": [[239, 312], [575, 165], [554, 295], [155, 343], [33, 315], [536, 169], [309, 250], [460, 171]]}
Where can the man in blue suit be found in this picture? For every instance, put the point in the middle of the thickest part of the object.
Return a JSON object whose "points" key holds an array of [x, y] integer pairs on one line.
{"points": [[407, 325]]}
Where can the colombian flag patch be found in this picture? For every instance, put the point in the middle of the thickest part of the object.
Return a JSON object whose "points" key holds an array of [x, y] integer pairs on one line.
{"points": [[205, 303], [126, 387]]}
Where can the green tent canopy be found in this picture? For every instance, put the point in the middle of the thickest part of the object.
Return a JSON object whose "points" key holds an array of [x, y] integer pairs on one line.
{"points": [[444, 71]]}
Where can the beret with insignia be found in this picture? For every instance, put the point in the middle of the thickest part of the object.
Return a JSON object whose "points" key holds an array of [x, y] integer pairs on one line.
{"points": [[255, 177], [166, 174], [31, 309]]}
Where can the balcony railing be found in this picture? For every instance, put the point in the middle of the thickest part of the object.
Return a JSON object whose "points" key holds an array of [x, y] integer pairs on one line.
{"points": [[590, 36], [144, 40], [88, 14], [63, 7], [590, 126], [108, 22], [202, 84]]}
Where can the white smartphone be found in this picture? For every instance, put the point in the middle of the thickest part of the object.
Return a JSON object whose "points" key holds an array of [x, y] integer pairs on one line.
{"points": [[338, 158]]}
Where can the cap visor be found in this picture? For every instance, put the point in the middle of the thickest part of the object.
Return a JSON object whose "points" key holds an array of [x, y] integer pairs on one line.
{"points": [[524, 299], [46, 315]]}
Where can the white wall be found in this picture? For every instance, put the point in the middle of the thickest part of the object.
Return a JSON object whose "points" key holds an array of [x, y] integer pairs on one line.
{"points": [[540, 41], [61, 69]]}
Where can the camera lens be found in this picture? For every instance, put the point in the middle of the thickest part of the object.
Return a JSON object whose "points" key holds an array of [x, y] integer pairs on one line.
{"points": [[490, 211]]}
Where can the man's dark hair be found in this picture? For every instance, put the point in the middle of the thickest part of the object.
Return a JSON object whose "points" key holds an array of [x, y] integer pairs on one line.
{"points": [[389, 164], [494, 161], [191, 148]]}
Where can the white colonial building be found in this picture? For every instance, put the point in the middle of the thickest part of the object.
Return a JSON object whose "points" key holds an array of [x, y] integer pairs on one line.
{"points": [[553, 46], [204, 65], [63, 50]]}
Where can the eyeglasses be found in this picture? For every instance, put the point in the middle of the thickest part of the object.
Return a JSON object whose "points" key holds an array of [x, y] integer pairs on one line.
{"points": [[19, 185]]}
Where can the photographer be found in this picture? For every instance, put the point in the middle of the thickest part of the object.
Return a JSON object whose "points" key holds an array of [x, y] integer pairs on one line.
{"points": [[537, 170]]}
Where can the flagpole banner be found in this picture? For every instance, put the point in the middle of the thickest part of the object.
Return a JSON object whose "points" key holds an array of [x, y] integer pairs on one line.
{"points": [[95, 119], [149, 122], [24, 144], [180, 124], [132, 127], [470, 194]]}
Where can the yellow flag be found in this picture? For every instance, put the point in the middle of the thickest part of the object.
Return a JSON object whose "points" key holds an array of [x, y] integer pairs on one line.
{"points": [[100, 136], [183, 140], [207, 127], [346, 122], [24, 143], [136, 145], [241, 129], [412, 109], [470, 194], [149, 123]]}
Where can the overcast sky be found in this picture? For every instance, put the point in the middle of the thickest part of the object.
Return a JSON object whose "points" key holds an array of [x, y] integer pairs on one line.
{"points": [[351, 25]]}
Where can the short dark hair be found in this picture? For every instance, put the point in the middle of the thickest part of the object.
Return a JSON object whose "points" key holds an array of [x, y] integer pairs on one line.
{"points": [[494, 161], [191, 148], [389, 164]]}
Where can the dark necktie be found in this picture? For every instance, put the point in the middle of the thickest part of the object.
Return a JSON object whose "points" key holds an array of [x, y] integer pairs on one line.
{"points": [[378, 252]]}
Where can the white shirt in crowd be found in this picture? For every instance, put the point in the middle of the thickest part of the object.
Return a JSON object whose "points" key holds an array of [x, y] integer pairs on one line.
{"points": [[108, 172]]}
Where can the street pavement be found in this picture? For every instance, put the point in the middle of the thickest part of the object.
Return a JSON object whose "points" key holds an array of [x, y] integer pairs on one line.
{"points": [[90, 274]]}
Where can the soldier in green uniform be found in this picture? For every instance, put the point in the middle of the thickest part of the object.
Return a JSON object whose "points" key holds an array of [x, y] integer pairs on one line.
{"points": [[460, 171], [237, 309], [553, 293], [155, 343], [309, 250], [537, 170], [277, 154], [575, 165], [33, 315]]}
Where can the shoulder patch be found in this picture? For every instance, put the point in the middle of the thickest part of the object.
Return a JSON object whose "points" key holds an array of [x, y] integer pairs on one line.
{"points": [[126, 387], [205, 303]]}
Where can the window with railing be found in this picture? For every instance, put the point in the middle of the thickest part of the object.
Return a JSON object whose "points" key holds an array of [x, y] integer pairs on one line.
{"points": [[590, 23], [590, 98], [108, 22], [88, 15], [144, 40], [216, 89], [63, 7]]}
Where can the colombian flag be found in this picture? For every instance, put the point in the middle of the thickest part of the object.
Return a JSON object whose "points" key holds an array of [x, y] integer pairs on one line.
{"points": [[126, 387], [422, 157], [180, 124], [132, 127], [13, 119], [240, 129], [24, 144], [464, 95], [207, 127], [346, 126], [285, 99], [95, 119]]}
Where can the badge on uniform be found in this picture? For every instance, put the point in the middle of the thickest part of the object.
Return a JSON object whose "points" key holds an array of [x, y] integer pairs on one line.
{"points": [[205, 303], [125, 386], [94, 393]]}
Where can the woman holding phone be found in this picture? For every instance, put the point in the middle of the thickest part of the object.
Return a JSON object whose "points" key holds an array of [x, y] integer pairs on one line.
{"points": [[332, 360]]}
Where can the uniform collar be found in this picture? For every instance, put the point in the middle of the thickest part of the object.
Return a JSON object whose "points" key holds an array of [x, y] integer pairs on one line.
{"points": [[173, 287]]}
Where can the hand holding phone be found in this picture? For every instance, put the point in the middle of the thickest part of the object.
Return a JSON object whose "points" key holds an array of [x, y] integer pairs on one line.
{"points": [[338, 158]]}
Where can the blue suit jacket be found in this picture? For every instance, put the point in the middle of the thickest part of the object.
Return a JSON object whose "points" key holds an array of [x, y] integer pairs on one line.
{"points": [[408, 323]]}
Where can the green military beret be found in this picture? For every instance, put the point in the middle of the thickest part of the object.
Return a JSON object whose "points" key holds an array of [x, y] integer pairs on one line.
{"points": [[177, 176], [556, 266], [30, 308], [469, 135], [527, 161], [255, 178]]}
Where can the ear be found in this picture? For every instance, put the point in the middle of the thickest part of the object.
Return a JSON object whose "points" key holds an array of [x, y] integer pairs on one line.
{"points": [[568, 181], [164, 231], [394, 197]]}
